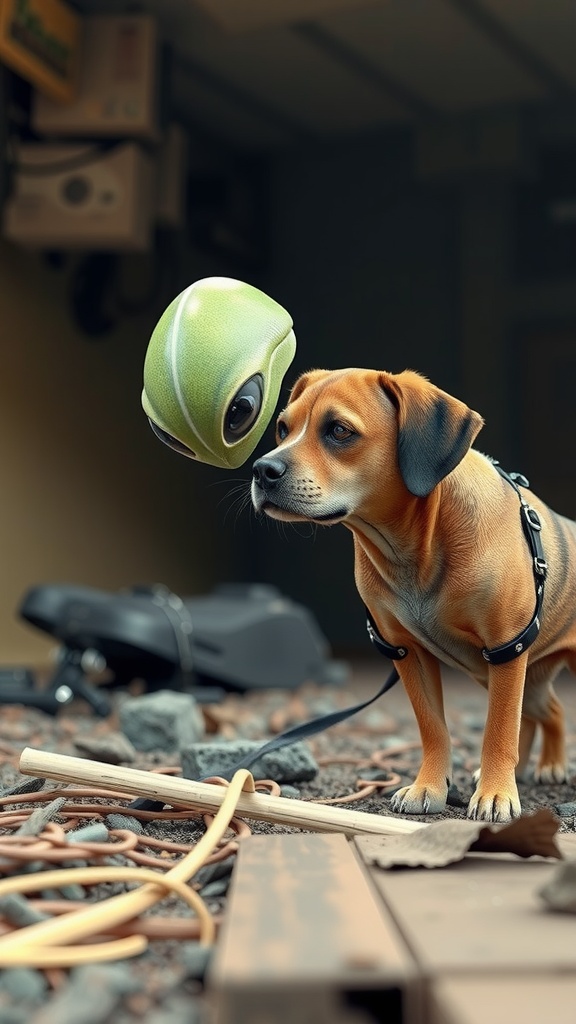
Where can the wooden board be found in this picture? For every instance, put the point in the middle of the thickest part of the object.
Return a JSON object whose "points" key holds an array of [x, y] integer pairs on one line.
{"points": [[305, 939], [480, 915], [495, 999]]}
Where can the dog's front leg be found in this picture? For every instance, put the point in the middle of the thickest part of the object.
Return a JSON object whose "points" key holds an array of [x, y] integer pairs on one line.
{"points": [[420, 674], [496, 796]]}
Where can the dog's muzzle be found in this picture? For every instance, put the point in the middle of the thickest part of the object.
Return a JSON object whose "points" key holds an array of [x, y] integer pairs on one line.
{"points": [[267, 472]]}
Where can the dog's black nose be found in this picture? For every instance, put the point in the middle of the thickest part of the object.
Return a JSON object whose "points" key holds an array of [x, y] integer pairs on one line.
{"points": [[267, 472]]}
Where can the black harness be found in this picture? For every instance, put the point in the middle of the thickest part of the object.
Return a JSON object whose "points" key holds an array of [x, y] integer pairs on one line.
{"points": [[532, 528]]}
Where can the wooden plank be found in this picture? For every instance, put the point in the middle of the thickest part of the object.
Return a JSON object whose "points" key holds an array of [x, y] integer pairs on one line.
{"points": [[495, 999], [480, 915], [305, 939]]}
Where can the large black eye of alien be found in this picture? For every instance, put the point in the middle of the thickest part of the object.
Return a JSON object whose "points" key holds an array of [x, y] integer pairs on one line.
{"points": [[171, 441], [244, 409]]}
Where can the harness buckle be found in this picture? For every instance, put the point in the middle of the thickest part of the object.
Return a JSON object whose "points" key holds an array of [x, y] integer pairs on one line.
{"points": [[540, 566], [532, 517], [519, 479]]}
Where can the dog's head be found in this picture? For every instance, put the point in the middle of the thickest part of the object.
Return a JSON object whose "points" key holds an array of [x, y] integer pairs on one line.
{"points": [[351, 440]]}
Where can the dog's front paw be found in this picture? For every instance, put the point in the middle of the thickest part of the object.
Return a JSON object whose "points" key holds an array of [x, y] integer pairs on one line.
{"points": [[487, 806], [418, 799], [549, 774]]}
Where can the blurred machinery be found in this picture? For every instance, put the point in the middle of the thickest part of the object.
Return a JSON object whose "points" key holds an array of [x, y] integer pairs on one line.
{"points": [[101, 170], [238, 638]]}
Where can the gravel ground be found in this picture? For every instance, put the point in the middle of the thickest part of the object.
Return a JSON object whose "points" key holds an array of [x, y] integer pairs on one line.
{"points": [[162, 986]]}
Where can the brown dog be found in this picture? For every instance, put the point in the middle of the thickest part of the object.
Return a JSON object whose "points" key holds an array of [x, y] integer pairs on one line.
{"points": [[441, 562]]}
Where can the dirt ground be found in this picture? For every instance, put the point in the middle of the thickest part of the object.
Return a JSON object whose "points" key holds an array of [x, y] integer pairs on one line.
{"points": [[163, 985]]}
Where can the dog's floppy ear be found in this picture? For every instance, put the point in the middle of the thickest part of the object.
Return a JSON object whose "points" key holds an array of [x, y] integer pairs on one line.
{"points": [[305, 380], [435, 430]]}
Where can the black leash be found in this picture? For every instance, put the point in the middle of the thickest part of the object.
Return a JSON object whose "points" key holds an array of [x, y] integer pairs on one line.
{"points": [[532, 527]]}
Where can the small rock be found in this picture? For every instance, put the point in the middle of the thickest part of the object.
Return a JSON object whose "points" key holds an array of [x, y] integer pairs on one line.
{"points": [[565, 810], [219, 887], [374, 774], [95, 832], [164, 720], [219, 869], [40, 817], [90, 997], [125, 821], [291, 792], [195, 959], [114, 748], [18, 911], [455, 797], [389, 742], [23, 984], [14, 1014], [560, 892], [289, 764], [25, 785], [474, 721]]}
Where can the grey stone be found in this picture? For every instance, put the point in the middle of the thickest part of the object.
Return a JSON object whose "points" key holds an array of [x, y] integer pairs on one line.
{"points": [[18, 911], [195, 959], [40, 817], [164, 720], [455, 798], [91, 995], [219, 887], [23, 984], [95, 832], [290, 792], [559, 893], [389, 742], [15, 1014], [114, 748], [219, 869], [474, 720], [566, 810], [290, 764], [125, 821], [374, 774], [25, 785]]}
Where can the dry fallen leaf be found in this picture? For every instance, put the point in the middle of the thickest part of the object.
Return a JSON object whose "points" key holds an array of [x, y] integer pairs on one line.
{"points": [[529, 836], [446, 842]]}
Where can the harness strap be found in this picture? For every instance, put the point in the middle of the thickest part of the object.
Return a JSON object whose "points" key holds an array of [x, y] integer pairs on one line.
{"points": [[532, 528]]}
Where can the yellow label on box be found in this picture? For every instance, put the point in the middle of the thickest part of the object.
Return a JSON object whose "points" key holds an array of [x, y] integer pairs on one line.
{"points": [[39, 39]]}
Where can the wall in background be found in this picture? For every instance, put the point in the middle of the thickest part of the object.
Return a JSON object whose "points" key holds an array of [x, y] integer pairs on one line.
{"points": [[88, 494], [380, 269], [366, 260]]}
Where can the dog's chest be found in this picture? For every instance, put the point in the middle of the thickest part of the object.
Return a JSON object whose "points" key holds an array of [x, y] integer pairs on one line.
{"points": [[418, 614]]}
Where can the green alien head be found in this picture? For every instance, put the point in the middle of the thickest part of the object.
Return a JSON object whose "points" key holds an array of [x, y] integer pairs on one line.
{"points": [[214, 368]]}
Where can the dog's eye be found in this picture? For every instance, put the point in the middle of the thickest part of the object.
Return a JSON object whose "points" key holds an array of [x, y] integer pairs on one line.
{"points": [[339, 432], [244, 409], [281, 430], [171, 441]]}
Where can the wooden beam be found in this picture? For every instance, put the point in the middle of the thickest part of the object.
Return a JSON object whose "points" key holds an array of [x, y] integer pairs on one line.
{"points": [[306, 939]]}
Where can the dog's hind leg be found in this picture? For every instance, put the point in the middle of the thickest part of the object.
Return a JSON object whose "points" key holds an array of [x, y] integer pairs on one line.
{"points": [[541, 706], [525, 743], [551, 765]]}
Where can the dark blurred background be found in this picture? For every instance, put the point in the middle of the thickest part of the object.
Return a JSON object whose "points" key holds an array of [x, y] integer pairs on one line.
{"points": [[400, 175]]}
